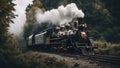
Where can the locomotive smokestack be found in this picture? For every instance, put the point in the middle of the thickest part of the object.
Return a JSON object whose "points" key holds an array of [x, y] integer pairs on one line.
{"points": [[61, 15]]}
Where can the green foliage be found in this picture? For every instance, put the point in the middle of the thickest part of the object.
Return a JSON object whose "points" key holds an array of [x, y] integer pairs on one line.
{"points": [[8, 45], [105, 48], [48, 4], [113, 7], [7, 42], [6, 14]]}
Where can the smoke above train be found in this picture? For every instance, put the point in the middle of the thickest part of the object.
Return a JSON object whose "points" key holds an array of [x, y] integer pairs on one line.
{"points": [[61, 15]]}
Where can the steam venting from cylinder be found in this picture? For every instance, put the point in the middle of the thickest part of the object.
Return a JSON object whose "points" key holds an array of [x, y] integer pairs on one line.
{"points": [[61, 15]]}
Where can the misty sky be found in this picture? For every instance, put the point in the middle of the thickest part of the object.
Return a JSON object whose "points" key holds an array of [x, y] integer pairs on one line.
{"points": [[19, 21]]}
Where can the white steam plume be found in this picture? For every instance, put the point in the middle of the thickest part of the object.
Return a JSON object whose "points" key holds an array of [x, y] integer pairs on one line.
{"points": [[61, 15]]}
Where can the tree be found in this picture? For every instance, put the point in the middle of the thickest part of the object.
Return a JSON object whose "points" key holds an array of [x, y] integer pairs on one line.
{"points": [[8, 44], [113, 7], [6, 14], [31, 26], [48, 4]]}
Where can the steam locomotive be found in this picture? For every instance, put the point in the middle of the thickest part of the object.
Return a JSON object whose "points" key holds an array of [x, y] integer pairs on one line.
{"points": [[78, 42]]}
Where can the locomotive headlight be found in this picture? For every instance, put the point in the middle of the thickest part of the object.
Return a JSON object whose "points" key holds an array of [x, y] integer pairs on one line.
{"points": [[83, 34]]}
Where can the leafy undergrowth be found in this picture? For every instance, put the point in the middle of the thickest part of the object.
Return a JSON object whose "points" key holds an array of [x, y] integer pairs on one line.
{"points": [[35, 60], [106, 48]]}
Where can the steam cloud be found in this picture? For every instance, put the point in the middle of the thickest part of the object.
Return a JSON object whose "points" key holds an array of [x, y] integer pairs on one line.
{"points": [[61, 15]]}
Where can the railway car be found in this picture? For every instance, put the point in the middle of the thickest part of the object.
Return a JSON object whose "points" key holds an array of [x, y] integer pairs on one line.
{"points": [[78, 42]]}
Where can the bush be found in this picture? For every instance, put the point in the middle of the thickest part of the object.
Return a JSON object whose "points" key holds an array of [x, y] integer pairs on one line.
{"points": [[106, 48]]}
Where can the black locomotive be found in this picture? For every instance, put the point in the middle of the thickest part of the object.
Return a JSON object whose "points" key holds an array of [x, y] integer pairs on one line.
{"points": [[77, 42]]}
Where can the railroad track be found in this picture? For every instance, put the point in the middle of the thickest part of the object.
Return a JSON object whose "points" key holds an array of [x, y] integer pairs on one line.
{"points": [[106, 59], [99, 58]]}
